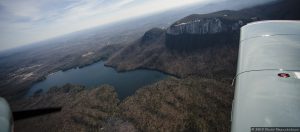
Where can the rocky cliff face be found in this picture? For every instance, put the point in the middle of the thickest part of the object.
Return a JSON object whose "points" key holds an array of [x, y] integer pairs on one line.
{"points": [[201, 31], [216, 62], [194, 103], [204, 26]]}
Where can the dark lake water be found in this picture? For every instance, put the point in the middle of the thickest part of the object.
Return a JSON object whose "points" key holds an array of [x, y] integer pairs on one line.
{"points": [[125, 83]]}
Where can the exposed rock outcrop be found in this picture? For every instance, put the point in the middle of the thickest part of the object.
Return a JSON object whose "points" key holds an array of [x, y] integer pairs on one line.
{"points": [[204, 30], [208, 52], [203, 26], [188, 104], [200, 44]]}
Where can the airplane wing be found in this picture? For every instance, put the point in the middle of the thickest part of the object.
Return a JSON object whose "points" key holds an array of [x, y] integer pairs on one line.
{"points": [[7, 117], [267, 88]]}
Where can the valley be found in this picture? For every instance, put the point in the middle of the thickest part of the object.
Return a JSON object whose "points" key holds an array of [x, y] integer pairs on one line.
{"points": [[199, 51]]}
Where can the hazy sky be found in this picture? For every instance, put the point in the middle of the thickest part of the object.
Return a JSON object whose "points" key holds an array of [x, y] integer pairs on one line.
{"points": [[26, 21]]}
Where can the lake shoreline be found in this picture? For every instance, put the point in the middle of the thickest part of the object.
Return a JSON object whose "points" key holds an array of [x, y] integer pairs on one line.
{"points": [[147, 77], [142, 68]]}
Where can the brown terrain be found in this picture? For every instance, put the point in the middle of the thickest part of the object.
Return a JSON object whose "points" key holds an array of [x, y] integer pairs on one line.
{"points": [[155, 55], [197, 99], [190, 104]]}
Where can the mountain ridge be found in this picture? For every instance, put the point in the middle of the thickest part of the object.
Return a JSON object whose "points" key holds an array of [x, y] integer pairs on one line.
{"points": [[198, 101], [185, 53]]}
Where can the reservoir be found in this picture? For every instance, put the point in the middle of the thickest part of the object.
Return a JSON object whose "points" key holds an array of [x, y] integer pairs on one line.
{"points": [[125, 83]]}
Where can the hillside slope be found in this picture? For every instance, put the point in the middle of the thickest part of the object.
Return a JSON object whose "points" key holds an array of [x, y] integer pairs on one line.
{"points": [[203, 45], [199, 44], [190, 104], [199, 101]]}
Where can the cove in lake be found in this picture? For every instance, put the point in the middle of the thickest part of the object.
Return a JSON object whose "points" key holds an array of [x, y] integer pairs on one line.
{"points": [[125, 83]]}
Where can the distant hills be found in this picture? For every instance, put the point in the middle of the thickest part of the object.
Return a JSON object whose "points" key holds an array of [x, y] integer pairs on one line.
{"points": [[199, 44], [200, 49]]}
